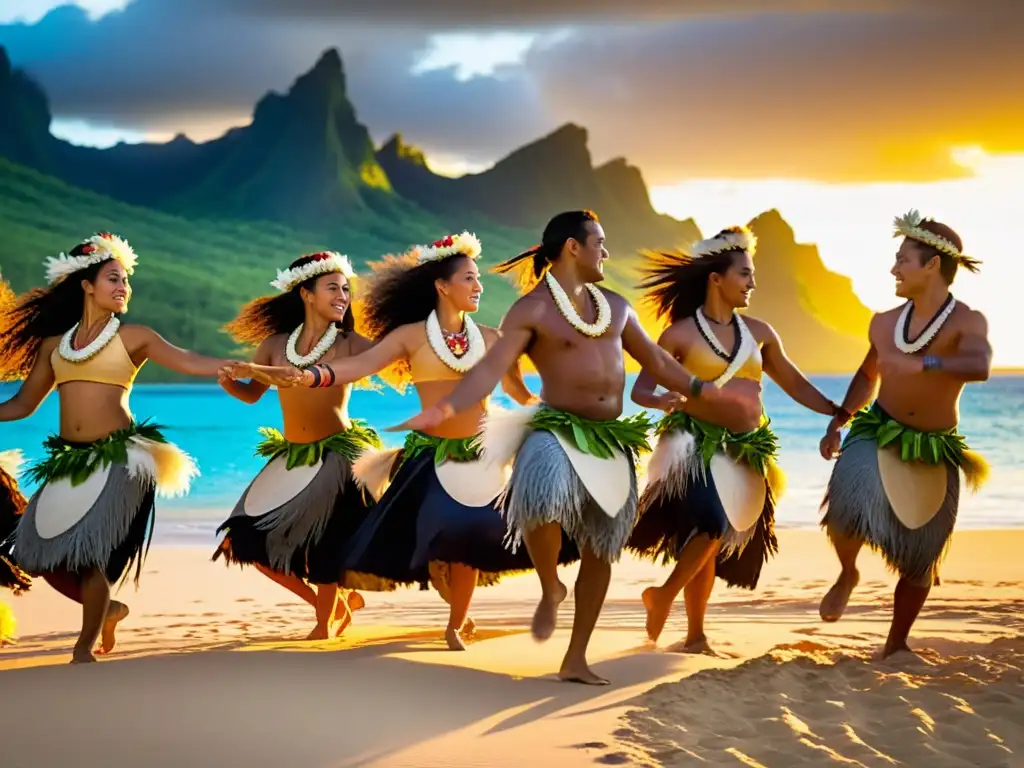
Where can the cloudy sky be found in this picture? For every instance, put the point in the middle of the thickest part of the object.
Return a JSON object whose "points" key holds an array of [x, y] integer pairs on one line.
{"points": [[797, 104]]}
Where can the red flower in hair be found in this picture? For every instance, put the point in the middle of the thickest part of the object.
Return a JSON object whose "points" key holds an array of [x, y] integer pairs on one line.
{"points": [[321, 256], [87, 249], [444, 242], [106, 235]]}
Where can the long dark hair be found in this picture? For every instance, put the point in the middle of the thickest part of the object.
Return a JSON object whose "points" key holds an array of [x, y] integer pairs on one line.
{"points": [[41, 313], [402, 291], [269, 315], [530, 265], [675, 283]]}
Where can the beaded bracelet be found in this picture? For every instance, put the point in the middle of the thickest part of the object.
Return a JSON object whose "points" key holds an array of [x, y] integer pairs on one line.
{"points": [[316, 377], [931, 363], [696, 385], [330, 371]]}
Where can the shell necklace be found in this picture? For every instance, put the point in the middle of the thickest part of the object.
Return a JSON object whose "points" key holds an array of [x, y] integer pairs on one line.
{"points": [[568, 311], [901, 333], [72, 355], [318, 350], [475, 345], [745, 345]]}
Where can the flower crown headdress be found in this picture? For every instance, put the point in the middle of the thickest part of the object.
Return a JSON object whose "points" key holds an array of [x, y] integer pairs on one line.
{"points": [[96, 249], [465, 244], [909, 225], [324, 263], [739, 239]]}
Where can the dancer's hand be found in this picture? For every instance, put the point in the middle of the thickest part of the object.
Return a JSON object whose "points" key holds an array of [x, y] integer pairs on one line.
{"points": [[670, 402], [425, 420], [280, 376], [830, 443]]}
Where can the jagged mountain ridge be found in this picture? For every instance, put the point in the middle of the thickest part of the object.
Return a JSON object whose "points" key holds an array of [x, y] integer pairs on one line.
{"points": [[305, 161]]}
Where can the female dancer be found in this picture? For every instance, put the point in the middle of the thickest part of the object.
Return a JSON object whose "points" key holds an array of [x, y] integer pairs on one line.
{"points": [[91, 517], [438, 506], [713, 482], [294, 518], [12, 504]]}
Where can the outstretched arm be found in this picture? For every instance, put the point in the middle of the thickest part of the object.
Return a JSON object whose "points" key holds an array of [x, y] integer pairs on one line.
{"points": [[34, 389], [156, 348], [790, 378], [248, 391], [375, 359]]}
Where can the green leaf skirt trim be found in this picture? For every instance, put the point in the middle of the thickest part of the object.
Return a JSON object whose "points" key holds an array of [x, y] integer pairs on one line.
{"points": [[445, 448], [930, 447], [350, 444], [598, 438], [758, 448], [78, 461]]}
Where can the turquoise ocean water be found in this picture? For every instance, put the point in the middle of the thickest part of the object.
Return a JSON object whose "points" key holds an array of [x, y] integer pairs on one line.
{"points": [[220, 432]]}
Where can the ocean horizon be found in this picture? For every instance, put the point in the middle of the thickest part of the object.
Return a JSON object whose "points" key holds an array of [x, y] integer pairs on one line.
{"points": [[220, 432]]}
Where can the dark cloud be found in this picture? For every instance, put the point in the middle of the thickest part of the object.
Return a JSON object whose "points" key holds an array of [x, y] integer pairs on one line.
{"points": [[854, 97], [825, 95]]}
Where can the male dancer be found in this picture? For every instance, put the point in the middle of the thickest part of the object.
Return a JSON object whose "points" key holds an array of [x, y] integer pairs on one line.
{"points": [[896, 485], [574, 458]]}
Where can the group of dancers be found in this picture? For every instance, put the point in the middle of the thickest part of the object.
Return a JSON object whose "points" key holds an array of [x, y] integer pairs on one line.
{"points": [[477, 492]]}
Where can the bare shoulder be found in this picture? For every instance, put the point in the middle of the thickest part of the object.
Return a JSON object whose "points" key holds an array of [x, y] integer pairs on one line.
{"points": [[616, 301], [761, 329], [134, 334], [969, 320], [678, 336], [528, 310]]}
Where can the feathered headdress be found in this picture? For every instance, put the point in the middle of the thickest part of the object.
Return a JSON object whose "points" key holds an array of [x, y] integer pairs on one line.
{"points": [[733, 239], [95, 250], [909, 225], [324, 263]]}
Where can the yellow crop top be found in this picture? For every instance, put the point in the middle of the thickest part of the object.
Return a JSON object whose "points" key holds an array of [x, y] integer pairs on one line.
{"points": [[425, 365], [111, 365], [704, 363]]}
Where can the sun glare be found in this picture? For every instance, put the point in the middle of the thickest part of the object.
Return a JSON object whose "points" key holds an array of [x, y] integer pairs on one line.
{"points": [[852, 227]]}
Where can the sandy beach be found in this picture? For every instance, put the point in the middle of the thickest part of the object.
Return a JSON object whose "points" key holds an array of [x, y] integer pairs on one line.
{"points": [[210, 669]]}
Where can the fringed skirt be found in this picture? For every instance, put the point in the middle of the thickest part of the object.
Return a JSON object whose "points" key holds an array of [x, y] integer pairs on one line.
{"points": [[725, 499], [95, 507], [901, 501], [593, 498], [300, 512], [432, 513], [12, 505]]}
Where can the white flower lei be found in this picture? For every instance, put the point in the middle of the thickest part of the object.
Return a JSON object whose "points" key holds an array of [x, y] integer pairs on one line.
{"points": [[332, 262], [900, 332], [318, 351], [565, 306], [746, 347], [105, 246], [475, 345], [72, 355]]}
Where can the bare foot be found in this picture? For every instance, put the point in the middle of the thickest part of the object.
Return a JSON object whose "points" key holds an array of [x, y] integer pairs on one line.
{"points": [[546, 616], [835, 600], [116, 613], [455, 643], [580, 673], [699, 646], [82, 657], [658, 608], [318, 633], [355, 601], [890, 650]]}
